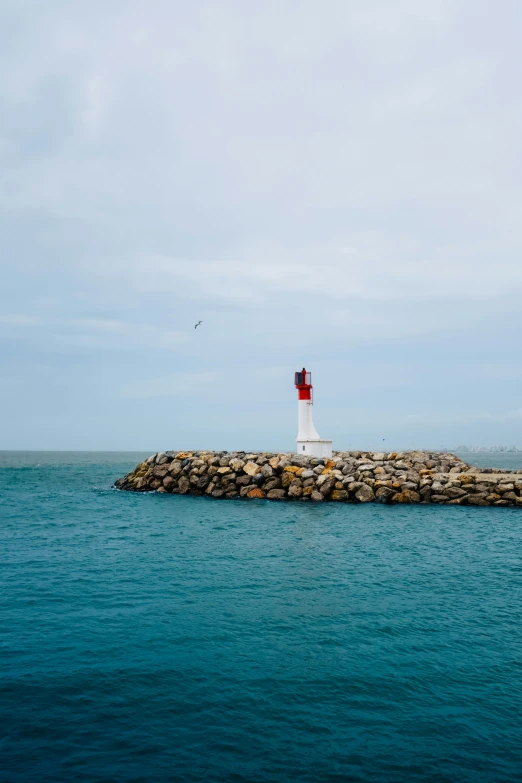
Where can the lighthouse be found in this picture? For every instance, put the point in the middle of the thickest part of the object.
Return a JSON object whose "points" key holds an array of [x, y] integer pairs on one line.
{"points": [[308, 440]]}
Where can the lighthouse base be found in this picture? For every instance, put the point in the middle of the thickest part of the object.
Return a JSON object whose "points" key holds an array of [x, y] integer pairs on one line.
{"points": [[315, 448]]}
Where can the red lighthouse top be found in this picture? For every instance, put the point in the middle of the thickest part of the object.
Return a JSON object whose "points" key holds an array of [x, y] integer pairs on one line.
{"points": [[303, 384]]}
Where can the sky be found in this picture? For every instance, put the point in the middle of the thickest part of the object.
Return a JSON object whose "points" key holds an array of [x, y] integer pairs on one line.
{"points": [[333, 184]]}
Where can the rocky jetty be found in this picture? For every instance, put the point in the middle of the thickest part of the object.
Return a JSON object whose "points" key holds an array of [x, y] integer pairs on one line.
{"points": [[349, 477]]}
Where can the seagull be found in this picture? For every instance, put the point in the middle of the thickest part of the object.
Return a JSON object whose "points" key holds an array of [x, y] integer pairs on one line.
{"points": [[198, 323]]}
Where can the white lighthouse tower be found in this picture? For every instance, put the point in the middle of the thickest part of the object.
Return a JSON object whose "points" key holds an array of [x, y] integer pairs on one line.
{"points": [[308, 440]]}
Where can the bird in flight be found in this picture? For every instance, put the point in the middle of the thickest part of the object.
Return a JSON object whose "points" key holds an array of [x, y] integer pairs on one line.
{"points": [[198, 323]]}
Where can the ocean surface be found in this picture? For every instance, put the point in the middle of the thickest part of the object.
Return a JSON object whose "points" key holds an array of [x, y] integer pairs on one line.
{"points": [[162, 638]]}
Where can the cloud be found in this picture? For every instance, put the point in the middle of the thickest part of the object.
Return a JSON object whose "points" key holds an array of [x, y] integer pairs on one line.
{"points": [[337, 185], [19, 319], [180, 384]]}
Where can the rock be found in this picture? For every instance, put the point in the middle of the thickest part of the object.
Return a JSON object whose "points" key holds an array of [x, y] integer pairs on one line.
{"points": [[477, 500], [396, 477], [169, 483], [218, 493], [406, 496], [251, 469], [383, 494], [327, 486], [256, 493], [183, 485], [454, 492], [295, 490], [286, 479], [365, 494], [317, 497], [203, 482], [276, 494], [503, 488]]}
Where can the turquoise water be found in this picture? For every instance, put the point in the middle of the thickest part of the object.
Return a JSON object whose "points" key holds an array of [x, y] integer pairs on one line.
{"points": [[163, 638]]}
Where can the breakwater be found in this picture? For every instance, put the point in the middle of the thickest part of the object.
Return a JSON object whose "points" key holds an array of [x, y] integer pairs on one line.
{"points": [[350, 476]]}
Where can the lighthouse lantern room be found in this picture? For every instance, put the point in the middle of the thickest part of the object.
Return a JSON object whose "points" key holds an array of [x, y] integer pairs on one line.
{"points": [[308, 440]]}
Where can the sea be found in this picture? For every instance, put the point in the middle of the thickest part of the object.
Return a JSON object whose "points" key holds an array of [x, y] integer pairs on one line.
{"points": [[148, 637]]}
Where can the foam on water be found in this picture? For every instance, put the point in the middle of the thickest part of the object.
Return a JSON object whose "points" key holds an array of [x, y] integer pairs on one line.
{"points": [[162, 638]]}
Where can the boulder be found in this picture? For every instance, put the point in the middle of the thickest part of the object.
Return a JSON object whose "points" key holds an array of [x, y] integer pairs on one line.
{"points": [[454, 492], [327, 486], [256, 493], [295, 490], [169, 483], [251, 469], [383, 494], [276, 494], [286, 479], [365, 494], [478, 500], [183, 485], [406, 496]]}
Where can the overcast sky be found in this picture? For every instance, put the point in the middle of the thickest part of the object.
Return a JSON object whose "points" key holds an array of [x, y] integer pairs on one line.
{"points": [[336, 184]]}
